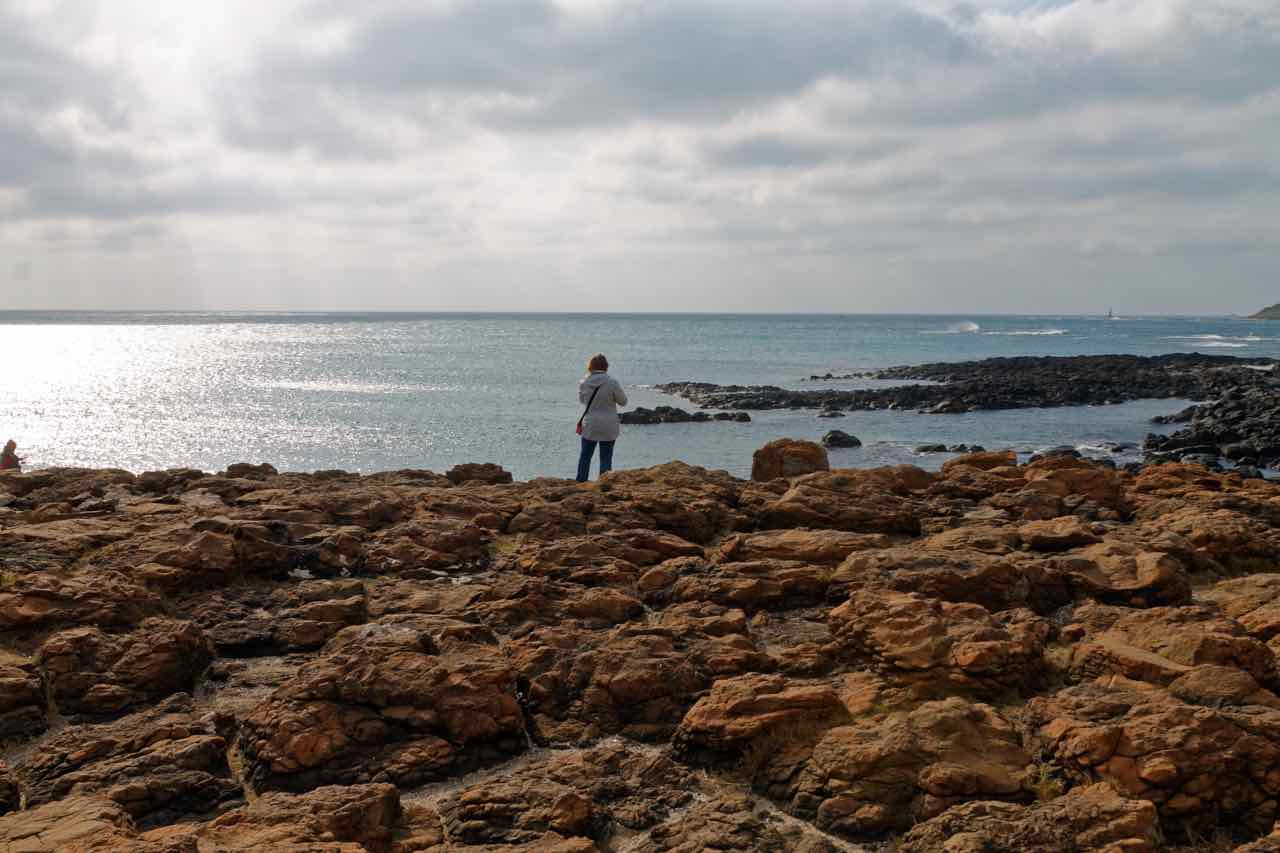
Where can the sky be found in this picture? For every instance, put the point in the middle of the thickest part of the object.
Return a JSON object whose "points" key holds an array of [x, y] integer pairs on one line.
{"points": [[993, 156]]}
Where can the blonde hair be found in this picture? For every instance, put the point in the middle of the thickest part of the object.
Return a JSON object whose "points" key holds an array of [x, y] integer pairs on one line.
{"points": [[597, 362]]}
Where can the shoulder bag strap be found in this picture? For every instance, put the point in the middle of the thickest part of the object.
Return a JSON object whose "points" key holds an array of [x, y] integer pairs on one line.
{"points": [[589, 402]]}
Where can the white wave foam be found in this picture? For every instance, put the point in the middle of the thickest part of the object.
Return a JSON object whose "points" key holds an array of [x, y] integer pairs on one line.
{"points": [[966, 327], [1218, 340], [1030, 332]]}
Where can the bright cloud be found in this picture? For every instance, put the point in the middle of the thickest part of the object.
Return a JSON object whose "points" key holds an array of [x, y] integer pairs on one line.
{"points": [[616, 155]]}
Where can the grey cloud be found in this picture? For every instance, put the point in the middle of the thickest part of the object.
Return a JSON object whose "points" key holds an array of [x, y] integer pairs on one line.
{"points": [[777, 150], [686, 61]]}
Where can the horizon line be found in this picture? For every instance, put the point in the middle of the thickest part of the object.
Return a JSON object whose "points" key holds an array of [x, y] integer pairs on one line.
{"points": [[491, 311]]}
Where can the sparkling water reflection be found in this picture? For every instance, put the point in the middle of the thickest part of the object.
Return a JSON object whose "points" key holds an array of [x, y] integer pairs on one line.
{"points": [[372, 392]]}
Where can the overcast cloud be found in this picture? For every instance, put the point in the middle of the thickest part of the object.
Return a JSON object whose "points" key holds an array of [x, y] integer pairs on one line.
{"points": [[1053, 156]]}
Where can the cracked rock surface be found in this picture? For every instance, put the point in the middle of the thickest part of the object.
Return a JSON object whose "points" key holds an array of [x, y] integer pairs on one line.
{"points": [[994, 657]]}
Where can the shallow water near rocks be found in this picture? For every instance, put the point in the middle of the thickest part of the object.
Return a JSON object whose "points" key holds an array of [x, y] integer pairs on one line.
{"points": [[385, 391]]}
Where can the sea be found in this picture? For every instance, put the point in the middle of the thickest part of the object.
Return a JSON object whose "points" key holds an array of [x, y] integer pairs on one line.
{"points": [[372, 391]]}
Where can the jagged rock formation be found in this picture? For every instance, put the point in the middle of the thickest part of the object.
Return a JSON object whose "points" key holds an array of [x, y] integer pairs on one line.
{"points": [[1054, 656]]}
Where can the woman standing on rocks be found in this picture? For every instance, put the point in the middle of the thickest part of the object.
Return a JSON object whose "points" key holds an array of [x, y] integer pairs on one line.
{"points": [[599, 424]]}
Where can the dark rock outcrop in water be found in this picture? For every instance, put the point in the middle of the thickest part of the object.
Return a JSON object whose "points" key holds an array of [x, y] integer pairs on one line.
{"points": [[839, 438], [995, 657], [672, 415], [1005, 383], [1242, 425], [1246, 416]]}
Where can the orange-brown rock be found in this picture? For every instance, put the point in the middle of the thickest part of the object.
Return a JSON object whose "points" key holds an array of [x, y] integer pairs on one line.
{"points": [[597, 793], [956, 575], [1058, 534], [42, 601], [1223, 536], [22, 710], [843, 500], [786, 458], [752, 585], [1163, 643], [405, 699], [984, 538], [333, 818], [10, 793], [90, 672], [983, 461], [261, 619], [1253, 601], [888, 771], [636, 680], [1089, 819], [938, 644], [820, 636], [1221, 686], [733, 823], [1125, 574], [160, 765], [1079, 482], [75, 825], [422, 545], [478, 472], [1199, 766], [604, 559], [739, 711], [822, 547]]}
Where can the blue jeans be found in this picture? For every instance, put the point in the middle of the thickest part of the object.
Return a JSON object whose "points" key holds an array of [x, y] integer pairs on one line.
{"points": [[589, 450]]}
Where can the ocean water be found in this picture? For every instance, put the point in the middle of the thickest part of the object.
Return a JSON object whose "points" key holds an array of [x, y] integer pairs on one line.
{"points": [[368, 392]]}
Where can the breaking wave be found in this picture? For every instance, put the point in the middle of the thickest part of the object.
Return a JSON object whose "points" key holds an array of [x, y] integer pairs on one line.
{"points": [[967, 327], [1031, 332]]}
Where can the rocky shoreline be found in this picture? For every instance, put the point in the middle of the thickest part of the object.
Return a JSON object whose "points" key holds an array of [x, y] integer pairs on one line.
{"points": [[1055, 656], [1240, 425]]}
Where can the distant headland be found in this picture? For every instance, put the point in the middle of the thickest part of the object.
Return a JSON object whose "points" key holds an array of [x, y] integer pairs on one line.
{"points": [[1270, 313]]}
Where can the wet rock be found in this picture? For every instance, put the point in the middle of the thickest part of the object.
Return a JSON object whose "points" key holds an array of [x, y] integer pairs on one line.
{"points": [[838, 438], [670, 415]]}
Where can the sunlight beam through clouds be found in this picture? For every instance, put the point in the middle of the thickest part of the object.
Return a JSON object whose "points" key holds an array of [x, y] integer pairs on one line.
{"points": [[598, 155]]}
